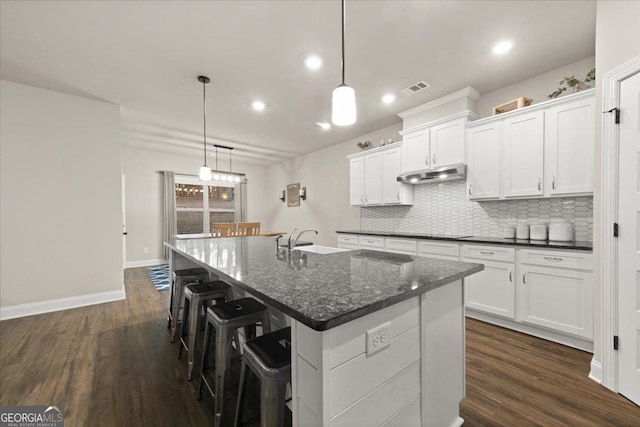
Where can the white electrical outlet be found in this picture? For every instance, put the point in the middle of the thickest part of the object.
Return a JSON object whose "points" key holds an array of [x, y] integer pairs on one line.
{"points": [[378, 338], [145, 250]]}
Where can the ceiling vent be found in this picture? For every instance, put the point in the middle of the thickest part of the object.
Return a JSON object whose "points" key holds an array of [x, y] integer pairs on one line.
{"points": [[415, 88]]}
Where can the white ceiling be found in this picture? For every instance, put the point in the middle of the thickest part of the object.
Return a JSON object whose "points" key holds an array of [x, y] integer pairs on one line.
{"points": [[145, 56]]}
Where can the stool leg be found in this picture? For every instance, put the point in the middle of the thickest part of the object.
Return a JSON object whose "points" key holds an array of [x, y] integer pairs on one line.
{"points": [[205, 353], [183, 325], [223, 349], [242, 391], [272, 396], [194, 323], [171, 291], [175, 309]]}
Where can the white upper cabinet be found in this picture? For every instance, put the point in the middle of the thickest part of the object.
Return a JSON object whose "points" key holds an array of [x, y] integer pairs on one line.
{"points": [[435, 144], [373, 178], [569, 144], [483, 176], [523, 154], [415, 148], [545, 150], [447, 143], [356, 181]]}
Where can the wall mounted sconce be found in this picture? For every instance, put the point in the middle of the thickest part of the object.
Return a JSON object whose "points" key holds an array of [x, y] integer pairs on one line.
{"points": [[303, 193], [282, 197]]}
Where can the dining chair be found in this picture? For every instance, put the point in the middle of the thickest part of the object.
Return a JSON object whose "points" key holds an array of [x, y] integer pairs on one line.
{"points": [[248, 228], [224, 229]]}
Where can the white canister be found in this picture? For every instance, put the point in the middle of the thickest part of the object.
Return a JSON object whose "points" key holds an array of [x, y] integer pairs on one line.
{"points": [[509, 232], [561, 231], [538, 231], [522, 232]]}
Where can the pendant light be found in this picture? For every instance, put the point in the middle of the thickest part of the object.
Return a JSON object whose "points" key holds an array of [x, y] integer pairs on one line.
{"points": [[343, 112], [205, 171]]}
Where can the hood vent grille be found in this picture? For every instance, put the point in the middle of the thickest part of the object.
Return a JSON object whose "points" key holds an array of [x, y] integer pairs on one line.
{"points": [[445, 173], [415, 88]]}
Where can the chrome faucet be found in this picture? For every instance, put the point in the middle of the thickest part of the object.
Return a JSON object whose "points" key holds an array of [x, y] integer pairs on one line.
{"points": [[297, 238], [289, 239]]}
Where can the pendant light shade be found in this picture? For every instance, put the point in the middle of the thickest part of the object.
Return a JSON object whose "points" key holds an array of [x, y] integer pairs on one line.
{"points": [[343, 103], [205, 171]]}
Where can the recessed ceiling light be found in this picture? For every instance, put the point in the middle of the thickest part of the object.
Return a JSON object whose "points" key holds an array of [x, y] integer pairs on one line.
{"points": [[324, 125], [313, 62], [502, 47], [258, 105], [388, 98]]}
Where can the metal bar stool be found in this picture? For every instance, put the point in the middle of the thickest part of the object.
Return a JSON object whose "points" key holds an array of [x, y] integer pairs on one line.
{"points": [[182, 278], [226, 319], [197, 297], [269, 358]]}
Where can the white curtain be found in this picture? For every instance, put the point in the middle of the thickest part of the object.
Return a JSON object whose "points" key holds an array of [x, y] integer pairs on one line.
{"points": [[169, 227]]}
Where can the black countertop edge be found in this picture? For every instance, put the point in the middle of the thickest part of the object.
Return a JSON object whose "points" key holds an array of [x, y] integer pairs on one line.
{"points": [[547, 244]]}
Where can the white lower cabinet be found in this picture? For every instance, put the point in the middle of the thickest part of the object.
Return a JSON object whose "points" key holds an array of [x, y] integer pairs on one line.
{"points": [[348, 241], [491, 290], [555, 297]]}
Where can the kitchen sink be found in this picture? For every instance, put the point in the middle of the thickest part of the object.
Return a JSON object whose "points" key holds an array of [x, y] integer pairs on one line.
{"points": [[317, 249]]}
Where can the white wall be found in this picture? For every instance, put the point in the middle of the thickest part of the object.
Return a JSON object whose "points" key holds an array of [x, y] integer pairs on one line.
{"points": [[536, 88], [325, 173], [60, 210], [617, 36], [143, 197]]}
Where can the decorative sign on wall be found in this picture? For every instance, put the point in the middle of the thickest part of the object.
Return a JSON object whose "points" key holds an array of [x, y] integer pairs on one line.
{"points": [[293, 195]]}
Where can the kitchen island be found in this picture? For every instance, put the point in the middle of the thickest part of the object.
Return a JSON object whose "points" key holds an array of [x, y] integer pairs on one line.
{"points": [[377, 338]]}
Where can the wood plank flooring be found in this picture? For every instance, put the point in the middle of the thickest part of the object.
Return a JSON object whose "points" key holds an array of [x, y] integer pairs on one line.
{"points": [[112, 365]]}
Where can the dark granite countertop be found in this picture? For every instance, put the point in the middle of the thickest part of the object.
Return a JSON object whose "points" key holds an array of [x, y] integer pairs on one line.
{"points": [[575, 245], [321, 291]]}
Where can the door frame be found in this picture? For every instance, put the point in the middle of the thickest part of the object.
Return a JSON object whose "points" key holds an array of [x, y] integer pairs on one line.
{"points": [[609, 175]]}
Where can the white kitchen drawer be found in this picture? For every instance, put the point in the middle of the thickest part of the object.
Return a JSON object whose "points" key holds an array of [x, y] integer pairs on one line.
{"points": [[347, 239], [436, 248], [371, 242], [401, 246], [492, 253], [577, 260]]}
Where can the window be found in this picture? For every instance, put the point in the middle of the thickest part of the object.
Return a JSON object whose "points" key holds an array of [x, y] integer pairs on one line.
{"points": [[198, 205]]}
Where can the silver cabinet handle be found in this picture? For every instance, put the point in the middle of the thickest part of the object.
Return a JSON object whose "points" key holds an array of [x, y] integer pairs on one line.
{"points": [[398, 196], [486, 253], [510, 275], [524, 281], [362, 198], [539, 184], [469, 189], [434, 159], [553, 183], [553, 258], [366, 199]]}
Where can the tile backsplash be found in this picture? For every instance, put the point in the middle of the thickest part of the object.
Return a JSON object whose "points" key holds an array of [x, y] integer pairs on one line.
{"points": [[444, 209]]}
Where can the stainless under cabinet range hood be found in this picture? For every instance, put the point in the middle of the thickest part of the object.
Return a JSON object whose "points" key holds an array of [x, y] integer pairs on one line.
{"points": [[444, 173]]}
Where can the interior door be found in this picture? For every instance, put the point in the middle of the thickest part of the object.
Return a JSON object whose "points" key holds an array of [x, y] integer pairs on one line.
{"points": [[629, 240]]}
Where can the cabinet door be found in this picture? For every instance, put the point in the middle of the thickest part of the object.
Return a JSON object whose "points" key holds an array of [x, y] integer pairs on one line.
{"points": [[556, 298], [373, 179], [569, 141], [523, 154], [491, 290], [447, 143], [356, 181], [391, 168], [415, 151], [483, 175]]}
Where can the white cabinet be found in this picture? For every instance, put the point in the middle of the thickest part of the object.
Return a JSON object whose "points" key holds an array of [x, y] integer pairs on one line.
{"points": [[348, 241], [569, 143], [440, 250], [491, 290], [523, 154], [401, 246], [554, 296], [435, 144], [483, 177], [415, 148], [545, 150], [373, 176]]}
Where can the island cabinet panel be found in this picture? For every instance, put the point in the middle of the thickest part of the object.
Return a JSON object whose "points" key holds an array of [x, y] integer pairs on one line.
{"points": [[337, 382]]}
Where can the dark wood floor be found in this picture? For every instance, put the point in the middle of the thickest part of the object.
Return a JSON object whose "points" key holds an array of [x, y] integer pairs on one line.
{"points": [[112, 365]]}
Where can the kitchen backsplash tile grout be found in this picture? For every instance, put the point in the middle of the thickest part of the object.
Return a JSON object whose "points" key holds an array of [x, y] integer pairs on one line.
{"points": [[444, 209]]}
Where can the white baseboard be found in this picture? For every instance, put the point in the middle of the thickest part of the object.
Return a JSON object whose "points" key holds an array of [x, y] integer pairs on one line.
{"points": [[596, 371], [145, 263], [458, 422], [30, 309]]}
